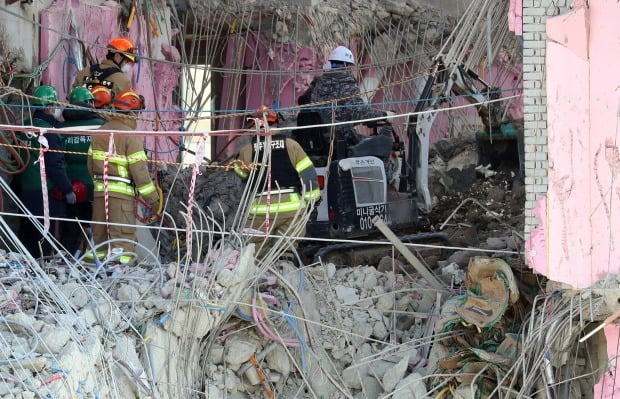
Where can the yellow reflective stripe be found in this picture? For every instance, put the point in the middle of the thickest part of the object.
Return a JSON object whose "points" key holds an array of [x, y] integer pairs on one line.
{"points": [[275, 208], [124, 259], [313, 195], [100, 255], [116, 187], [303, 165], [122, 171], [146, 189], [136, 157], [100, 156], [293, 204]]}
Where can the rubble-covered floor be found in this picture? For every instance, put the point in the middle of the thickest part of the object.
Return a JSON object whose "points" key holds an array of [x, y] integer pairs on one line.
{"points": [[235, 326]]}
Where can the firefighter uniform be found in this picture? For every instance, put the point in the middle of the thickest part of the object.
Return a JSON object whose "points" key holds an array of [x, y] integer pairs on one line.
{"points": [[128, 176], [106, 74], [292, 173]]}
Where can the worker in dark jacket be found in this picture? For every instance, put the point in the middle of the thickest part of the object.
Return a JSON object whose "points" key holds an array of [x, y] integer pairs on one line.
{"points": [[31, 194], [293, 179], [76, 145], [115, 71], [337, 83], [128, 176]]}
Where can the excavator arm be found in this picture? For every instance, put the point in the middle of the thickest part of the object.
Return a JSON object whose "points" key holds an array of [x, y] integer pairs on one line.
{"points": [[442, 84]]}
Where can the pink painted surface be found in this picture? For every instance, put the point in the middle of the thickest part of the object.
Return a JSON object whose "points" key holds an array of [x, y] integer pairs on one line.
{"points": [[96, 25], [583, 103], [248, 91], [609, 386], [568, 120], [536, 245], [515, 17], [584, 163]]}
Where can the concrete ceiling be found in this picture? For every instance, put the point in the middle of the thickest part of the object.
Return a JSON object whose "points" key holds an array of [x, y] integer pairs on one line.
{"points": [[454, 8]]}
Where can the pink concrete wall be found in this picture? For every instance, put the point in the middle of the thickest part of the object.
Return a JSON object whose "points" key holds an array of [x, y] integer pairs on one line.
{"points": [[568, 120], [583, 103], [583, 97], [248, 91], [96, 25]]}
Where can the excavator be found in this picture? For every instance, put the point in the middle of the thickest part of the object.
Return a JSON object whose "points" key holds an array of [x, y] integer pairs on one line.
{"points": [[385, 177]]}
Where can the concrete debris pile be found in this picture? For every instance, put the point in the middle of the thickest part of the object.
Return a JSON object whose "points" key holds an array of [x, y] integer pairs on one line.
{"points": [[130, 333], [150, 331], [375, 329], [217, 196], [476, 205], [333, 22], [229, 328]]}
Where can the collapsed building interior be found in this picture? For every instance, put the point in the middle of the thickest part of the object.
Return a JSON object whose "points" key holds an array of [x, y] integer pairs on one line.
{"points": [[448, 309]]}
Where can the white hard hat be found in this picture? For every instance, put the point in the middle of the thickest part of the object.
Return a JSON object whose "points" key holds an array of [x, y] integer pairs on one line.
{"points": [[341, 54]]}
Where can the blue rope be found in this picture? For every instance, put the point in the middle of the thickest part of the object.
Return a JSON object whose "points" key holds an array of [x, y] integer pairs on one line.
{"points": [[293, 108]]}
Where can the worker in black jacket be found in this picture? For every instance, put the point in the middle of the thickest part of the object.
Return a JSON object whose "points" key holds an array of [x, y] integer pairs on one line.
{"points": [[31, 191]]}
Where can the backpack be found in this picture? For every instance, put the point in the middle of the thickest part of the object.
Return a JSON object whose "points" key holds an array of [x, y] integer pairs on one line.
{"points": [[99, 76]]}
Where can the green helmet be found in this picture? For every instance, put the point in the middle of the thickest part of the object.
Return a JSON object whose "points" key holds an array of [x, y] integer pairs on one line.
{"points": [[80, 95], [44, 95]]}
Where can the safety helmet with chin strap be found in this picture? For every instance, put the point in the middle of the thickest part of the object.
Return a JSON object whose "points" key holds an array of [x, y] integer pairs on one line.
{"points": [[123, 46]]}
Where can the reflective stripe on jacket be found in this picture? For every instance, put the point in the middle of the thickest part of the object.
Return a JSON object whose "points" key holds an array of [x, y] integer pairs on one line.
{"points": [[283, 202], [128, 161]]}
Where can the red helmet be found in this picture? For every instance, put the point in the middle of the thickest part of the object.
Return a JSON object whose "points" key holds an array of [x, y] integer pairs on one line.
{"points": [[79, 188], [128, 100], [103, 96], [263, 112], [124, 46]]}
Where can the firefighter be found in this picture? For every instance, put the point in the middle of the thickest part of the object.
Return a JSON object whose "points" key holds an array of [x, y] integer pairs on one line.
{"points": [[115, 71], [59, 188], [337, 83], [76, 147], [293, 178], [128, 176], [102, 97]]}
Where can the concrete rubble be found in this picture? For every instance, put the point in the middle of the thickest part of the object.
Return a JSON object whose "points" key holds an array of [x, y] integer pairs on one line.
{"points": [[233, 326], [151, 334]]}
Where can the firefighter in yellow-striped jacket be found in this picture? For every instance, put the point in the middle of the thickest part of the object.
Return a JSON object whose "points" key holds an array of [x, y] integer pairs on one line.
{"points": [[127, 177], [293, 178]]}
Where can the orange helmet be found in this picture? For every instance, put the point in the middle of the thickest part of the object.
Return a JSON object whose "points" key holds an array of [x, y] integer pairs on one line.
{"points": [[124, 46], [103, 96], [128, 100], [263, 112]]}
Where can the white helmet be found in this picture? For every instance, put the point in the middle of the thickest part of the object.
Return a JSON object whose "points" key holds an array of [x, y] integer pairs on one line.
{"points": [[342, 54]]}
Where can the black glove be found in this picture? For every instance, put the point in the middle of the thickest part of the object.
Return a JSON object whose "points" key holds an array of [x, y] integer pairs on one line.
{"points": [[70, 198]]}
